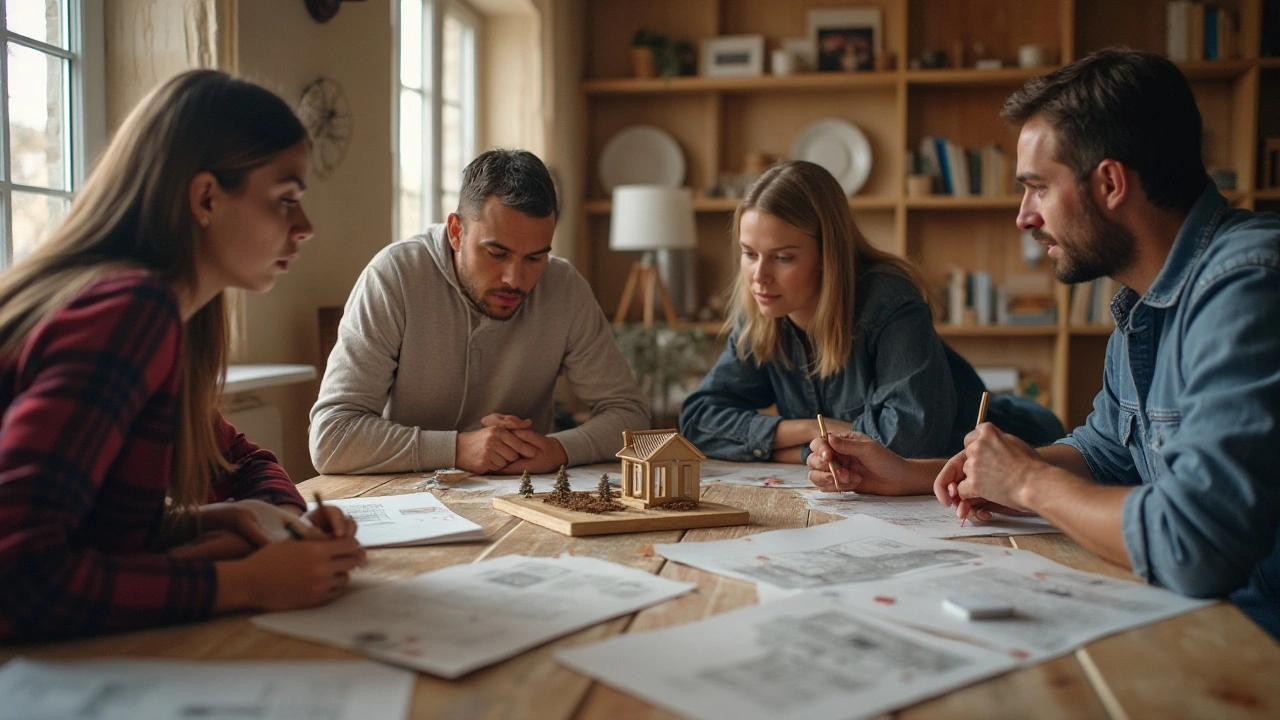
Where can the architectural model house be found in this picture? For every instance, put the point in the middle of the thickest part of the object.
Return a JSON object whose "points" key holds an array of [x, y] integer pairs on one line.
{"points": [[658, 467]]}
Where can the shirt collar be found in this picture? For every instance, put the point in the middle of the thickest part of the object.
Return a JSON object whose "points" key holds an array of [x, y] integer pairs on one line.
{"points": [[1194, 236]]}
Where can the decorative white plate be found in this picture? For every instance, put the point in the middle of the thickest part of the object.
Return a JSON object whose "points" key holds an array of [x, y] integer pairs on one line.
{"points": [[840, 147], [641, 154]]}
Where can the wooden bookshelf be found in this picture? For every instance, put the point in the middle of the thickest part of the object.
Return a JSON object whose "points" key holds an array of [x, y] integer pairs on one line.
{"points": [[717, 121]]}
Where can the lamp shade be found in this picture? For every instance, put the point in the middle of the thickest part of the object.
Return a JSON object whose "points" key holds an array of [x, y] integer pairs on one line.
{"points": [[651, 217]]}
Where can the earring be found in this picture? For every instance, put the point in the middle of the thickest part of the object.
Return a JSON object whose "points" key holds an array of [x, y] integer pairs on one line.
{"points": [[204, 222]]}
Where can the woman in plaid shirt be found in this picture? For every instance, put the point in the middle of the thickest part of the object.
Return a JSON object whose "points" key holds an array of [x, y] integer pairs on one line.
{"points": [[113, 338]]}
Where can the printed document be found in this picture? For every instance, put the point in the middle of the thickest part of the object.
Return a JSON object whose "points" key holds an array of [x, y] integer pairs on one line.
{"points": [[461, 618]]}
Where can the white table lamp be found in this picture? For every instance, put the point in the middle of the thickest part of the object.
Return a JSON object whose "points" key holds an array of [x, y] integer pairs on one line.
{"points": [[649, 218]]}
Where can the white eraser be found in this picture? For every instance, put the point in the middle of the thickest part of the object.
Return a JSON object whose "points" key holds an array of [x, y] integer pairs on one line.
{"points": [[977, 607]]}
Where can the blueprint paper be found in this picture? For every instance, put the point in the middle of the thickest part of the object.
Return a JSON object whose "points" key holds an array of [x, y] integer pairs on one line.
{"points": [[801, 658], [925, 515], [860, 549], [461, 618], [403, 520], [127, 689], [1056, 608]]}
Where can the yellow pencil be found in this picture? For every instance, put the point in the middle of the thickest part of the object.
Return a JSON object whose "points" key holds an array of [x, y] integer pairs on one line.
{"points": [[831, 465], [321, 517], [982, 417]]}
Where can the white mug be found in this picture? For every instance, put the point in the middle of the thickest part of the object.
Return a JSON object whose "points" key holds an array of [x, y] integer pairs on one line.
{"points": [[782, 62], [1031, 56]]}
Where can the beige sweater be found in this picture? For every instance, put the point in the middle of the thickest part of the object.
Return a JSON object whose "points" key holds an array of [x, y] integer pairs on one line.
{"points": [[416, 363]]}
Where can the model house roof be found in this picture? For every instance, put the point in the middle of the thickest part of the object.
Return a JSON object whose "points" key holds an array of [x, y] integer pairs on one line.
{"points": [[644, 445]]}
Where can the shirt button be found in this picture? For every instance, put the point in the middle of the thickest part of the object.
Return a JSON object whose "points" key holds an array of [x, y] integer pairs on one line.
{"points": [[758, 453]]}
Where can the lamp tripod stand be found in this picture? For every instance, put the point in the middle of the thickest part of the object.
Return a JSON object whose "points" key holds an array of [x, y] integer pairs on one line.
{"points": [[645, 279]]}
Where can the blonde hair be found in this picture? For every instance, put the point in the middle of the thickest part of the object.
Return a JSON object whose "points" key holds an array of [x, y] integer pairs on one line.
{"points": [[133, 211], [806, 196]]}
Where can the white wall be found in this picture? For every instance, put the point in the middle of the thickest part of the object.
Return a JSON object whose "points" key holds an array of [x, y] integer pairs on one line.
{"points": [[281, 47]]}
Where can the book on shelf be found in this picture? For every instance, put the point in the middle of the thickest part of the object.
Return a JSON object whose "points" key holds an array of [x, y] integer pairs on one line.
{"points": [[1198, 31], [1022, 299], [982, 171], [1091, 303]]}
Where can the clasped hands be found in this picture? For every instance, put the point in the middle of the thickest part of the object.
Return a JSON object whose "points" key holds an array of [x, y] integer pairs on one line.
{"points": [[506, 445], [990, 475]]}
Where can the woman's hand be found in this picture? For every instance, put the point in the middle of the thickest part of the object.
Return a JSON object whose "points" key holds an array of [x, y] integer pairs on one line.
{"points": [[332, 522], [288, 574], [862, 463]]}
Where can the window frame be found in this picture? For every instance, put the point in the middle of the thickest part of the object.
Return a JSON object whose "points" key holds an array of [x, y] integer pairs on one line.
{"points": [[432, 73], [84, 111]]}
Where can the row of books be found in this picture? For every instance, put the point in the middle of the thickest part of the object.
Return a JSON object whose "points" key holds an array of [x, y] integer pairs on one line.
{"points": [[963, 172], [1196, 31], [972, 299], [1091, 303]]}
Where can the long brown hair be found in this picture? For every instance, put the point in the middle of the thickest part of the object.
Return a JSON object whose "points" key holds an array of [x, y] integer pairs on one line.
{"points": [[134, 211], [806, 196]]}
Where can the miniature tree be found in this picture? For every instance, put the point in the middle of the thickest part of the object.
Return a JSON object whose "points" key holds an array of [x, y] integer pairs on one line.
{"points": [[526, 484], [562, 482], [606, 492]]}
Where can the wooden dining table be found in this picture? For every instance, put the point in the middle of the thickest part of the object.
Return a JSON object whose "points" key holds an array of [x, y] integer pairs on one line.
{"points": [[1210, 663]]}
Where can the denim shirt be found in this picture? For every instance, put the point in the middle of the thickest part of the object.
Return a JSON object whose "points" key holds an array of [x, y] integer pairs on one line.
{"points": [[1189, 413], [897, 386]]}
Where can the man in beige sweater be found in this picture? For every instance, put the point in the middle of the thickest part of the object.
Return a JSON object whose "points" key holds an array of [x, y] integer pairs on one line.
{"points": [[451, 343]]}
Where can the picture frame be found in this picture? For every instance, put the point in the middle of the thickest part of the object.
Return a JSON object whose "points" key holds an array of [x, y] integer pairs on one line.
{"points": [[846, 39], [733, 56]]}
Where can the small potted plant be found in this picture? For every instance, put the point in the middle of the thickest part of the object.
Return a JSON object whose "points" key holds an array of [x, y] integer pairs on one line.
{"points": [[653, 54]]}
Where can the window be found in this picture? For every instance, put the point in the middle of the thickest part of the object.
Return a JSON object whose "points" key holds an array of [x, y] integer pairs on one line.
{"points": [[436, 114], [50, 116]]}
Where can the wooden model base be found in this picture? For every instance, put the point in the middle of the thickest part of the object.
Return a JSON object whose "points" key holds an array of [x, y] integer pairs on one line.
{"points": [[576, 524]]}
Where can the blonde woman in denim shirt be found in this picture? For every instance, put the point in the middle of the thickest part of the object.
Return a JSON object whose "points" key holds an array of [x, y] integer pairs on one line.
{"points": [[826, 323]]}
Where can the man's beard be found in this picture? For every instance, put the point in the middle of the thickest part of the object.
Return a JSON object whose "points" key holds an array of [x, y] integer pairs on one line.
{"points": [[476, 295], [1094, 247]]}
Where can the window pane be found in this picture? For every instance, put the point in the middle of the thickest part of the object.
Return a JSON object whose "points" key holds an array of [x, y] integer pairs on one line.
{"points": [[451, 69], [37, 126], [412, 175], [451, 147], [42, 20], [411, 43], [34, 217], [448, 203]]}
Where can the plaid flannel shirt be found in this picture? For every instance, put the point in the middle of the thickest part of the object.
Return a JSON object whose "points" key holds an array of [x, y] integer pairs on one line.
{"points": [[86, 443]]}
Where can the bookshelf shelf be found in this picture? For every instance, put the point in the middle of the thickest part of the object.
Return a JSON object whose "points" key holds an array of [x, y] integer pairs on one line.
{"points": [[720, 122], [1091, 329], [946, 202], [979, 331]]}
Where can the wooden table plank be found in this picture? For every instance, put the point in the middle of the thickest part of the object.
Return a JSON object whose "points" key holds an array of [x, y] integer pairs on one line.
{"points": [[1212, 663]]}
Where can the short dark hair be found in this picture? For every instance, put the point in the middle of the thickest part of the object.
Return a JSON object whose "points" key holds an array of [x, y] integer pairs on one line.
{"points": [[517, 178], [1127, 105]]}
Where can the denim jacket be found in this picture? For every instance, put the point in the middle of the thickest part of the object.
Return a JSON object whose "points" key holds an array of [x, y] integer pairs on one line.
{"points": [[1189, 412], [898, 386]]}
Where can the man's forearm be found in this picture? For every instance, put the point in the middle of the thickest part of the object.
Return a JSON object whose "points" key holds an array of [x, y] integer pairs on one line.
{"points": [[1088, 512]]}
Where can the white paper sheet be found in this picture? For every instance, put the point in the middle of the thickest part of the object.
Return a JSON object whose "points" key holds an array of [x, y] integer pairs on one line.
{"points": [[404, 520], [126, 689], [859, 549], [802, 658], [769, 474], [464, 617], [1056, 609], [925, 515]]}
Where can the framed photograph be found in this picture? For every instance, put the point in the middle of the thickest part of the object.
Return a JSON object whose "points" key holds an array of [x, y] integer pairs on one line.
{"points": [[733, 56], [846, 39]]}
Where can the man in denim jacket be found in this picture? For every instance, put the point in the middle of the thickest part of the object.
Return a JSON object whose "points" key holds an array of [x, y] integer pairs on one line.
{"points": [[1176, 472]]}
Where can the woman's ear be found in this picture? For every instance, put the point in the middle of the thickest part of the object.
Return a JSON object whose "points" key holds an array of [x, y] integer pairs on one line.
{"points": [[200, 196]]}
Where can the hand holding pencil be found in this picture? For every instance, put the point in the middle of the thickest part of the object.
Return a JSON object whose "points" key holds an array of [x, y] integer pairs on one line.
{"points": [[331, 520], [963, 509]]}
